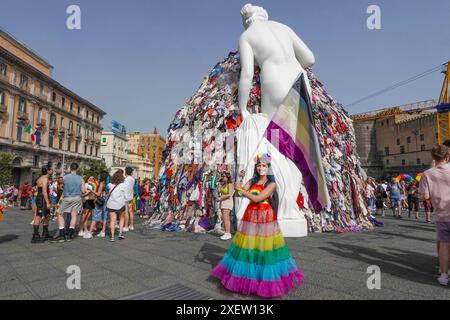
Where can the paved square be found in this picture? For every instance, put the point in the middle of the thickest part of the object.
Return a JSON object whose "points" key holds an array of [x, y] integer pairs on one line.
{"points": [[151, 264]]}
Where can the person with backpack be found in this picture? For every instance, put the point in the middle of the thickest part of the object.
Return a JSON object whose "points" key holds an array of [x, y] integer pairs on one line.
{"points": [[226, 203], [116, 202], [258, 260]]}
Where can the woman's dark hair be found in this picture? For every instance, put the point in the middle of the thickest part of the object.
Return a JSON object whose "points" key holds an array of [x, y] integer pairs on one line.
{"points": [[103, 176], [118, 177], [44, 171], [228, 175], [255, 179]]}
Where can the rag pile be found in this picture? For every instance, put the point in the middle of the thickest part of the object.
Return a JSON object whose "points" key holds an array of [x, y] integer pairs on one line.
{"points": [[188, 181]]}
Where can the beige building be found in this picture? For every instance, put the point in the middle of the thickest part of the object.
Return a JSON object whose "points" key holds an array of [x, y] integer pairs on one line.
{"points": [[68, 126], [148, 145], [396, 140], [114, 150], [141, 165]]}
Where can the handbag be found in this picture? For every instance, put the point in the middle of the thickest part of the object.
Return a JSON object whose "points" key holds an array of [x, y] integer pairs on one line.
{"points": [[99, 201]]}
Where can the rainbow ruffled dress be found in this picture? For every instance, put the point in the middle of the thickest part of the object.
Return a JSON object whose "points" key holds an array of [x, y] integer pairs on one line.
{"points": [[258, 260]]}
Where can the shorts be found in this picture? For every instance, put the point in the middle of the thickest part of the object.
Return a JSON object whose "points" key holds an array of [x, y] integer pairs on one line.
{"points": [[395, 202], [42, 210], [379, 203], [99, 214], [443, 231], [33, 202], [428, 206], [89, 204], [71, 204], [413, 204], [118, 211], [129, 205]]}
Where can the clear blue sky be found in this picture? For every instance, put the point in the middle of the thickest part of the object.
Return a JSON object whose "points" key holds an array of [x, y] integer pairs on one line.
{"points": [[140, 60]]}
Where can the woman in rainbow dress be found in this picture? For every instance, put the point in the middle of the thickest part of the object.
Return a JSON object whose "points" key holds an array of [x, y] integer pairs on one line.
{"points": [[258, 260]]}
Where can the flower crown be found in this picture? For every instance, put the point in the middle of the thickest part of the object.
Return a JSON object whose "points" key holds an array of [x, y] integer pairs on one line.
{"points": [[263, 158]]}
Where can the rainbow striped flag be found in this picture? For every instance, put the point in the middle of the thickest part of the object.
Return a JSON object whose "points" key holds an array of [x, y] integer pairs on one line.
{"points": [[293, 133], [136, 200]]}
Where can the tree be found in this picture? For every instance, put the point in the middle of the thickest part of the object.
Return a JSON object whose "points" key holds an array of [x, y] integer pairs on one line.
{"points": [[93, 168], [6, 162]]}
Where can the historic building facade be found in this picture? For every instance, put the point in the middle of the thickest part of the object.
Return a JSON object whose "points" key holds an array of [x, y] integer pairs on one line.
{"points": [[41, 121], [396, 140]]}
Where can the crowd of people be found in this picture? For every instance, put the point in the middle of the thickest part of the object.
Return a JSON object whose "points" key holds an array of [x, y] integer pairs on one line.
{"points": [[398, 196], [85, 207]]}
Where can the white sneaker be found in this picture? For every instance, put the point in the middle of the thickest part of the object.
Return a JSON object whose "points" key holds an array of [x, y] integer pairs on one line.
{"points": [[443, 279], [131, 228], [87, 235], [81, 234], [32, 221], [101, 235], [226, 237], [126, 229]]}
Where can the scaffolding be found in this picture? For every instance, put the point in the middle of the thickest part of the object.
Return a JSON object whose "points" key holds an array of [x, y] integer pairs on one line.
{"points": [[443, 109]]}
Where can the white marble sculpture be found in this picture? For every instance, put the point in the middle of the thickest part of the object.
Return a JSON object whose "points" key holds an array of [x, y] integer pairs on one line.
{"points": [[282, 57]]}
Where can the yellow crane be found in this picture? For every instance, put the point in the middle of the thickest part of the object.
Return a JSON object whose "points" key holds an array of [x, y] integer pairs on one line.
{"points": [[443, 109]]}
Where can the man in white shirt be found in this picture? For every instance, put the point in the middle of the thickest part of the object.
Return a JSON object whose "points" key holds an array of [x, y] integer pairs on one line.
{"points": [[129, 186]]}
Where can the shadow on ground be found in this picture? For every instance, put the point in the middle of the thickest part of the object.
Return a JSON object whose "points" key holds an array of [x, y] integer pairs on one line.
{"points": [[8, 238], [397, 262]]}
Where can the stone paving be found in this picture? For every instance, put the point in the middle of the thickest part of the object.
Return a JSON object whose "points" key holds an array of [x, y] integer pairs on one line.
{"points": [[152, 264]]}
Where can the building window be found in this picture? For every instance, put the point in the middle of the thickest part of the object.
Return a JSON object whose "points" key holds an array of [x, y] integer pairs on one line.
{"points": [[90, 153], [419, 161], [19, 133], [71, 106], [23, 80], [22, 105], [2, 97], [36, 161], [85, 148], [402, 149], [403, 162], [387, 122], [41, 88], [76, 146], [3, 68], [53, 96], [63, 102], [96, 152], [87, 114], [422, 137], [408, 140], [398, 142], [422, 147], [61, 141], [78, 110]]}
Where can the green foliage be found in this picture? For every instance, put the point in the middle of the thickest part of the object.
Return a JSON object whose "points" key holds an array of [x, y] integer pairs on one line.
{"points": [[6, 161], [93, 168]]}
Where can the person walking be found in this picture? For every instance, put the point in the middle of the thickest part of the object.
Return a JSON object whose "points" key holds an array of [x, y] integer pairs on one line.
{"points": [[99, 214], [43, 206], [129, 187], [24, 195], [226, 203], [434, 187], [72, 203], [88, 206], [413, 199], [396, 200], [116, 203]]}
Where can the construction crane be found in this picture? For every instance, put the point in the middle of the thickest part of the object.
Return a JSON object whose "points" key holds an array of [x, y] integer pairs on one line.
{"points": [[443, 109]]}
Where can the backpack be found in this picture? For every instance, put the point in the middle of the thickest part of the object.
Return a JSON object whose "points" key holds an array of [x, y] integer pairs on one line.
{"points": [[274, 199]]}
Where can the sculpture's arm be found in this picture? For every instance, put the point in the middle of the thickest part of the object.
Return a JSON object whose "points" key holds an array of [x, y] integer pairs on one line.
{"points": [[247, 72], [304, 55]]}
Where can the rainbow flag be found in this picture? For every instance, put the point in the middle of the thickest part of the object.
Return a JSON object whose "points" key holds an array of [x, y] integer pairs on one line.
{"points": [[293, 133], [136, 201]]}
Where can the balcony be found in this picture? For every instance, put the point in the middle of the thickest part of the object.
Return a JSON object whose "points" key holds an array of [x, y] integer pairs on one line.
{"points": [[53, 129], [62, 131], [42, 96], [22, 116], [4, 78], [70, 133], [41, 123]]}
